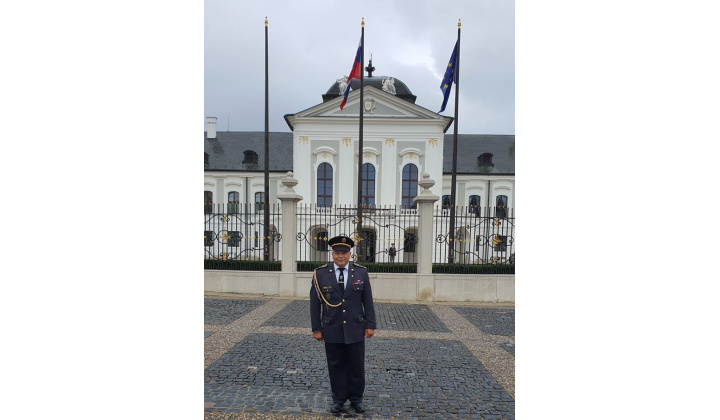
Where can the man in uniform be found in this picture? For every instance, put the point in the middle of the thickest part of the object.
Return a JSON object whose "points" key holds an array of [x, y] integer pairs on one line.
{"points": [[342, 315]]}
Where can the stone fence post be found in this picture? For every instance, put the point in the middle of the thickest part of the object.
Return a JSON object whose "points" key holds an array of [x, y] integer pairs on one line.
{"points": [[425, 201], [289, 201]]}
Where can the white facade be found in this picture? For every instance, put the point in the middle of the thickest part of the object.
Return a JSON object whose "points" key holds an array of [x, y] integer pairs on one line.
{"points": [[395, 133]]}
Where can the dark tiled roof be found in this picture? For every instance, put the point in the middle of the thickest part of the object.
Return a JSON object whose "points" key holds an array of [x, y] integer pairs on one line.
{"points": [[226, 151], [401, 89], [470, 146]]}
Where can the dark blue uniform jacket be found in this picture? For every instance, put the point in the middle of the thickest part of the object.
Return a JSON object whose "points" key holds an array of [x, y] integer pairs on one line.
{"points": [[347, 322]]}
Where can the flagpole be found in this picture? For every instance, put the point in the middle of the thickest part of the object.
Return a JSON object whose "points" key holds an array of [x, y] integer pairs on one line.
{"points": [[266, 205], [453, 187], [360, 142]]}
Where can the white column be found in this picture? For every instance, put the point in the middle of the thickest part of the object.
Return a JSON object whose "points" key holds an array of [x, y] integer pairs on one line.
{"points": [[388, 174], [345, 185], [303, 165], [289, 199], [425, 201]]}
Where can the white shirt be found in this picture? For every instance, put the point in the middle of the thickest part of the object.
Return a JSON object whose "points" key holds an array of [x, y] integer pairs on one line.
{"points": [[345, 273]]}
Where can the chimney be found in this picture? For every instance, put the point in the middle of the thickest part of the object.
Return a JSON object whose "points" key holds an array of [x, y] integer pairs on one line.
{"points": [[211, 127]]}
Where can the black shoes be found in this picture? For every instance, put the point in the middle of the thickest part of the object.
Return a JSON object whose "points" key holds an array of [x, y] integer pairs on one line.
{"points": [[337, 407]]}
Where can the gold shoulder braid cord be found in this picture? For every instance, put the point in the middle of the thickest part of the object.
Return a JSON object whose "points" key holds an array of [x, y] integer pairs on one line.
{"points": [[317, 289]]}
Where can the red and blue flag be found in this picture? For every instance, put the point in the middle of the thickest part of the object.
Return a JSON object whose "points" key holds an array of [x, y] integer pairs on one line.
{"points": [[355, 73]]}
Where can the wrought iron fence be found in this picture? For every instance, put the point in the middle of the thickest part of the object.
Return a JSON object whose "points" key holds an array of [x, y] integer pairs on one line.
{"points": [[483, 235], [235, 232], [235, 238], [384, 229]]}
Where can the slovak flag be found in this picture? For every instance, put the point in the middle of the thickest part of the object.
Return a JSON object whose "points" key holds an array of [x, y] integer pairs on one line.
{"points": [[355, 73]]}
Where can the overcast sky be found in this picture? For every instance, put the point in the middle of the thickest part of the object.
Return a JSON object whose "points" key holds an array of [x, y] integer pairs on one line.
{"points": [[312, 43]]}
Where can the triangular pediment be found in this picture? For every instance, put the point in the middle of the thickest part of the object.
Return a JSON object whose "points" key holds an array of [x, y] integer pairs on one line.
{"points": [[378, 104]]}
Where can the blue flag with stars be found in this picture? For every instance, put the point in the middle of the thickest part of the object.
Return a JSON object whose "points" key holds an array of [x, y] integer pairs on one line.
{"points": [[449, 78]]}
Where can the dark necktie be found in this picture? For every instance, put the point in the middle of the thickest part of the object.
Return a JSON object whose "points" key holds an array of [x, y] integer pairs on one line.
{"points": [[341, 280]]}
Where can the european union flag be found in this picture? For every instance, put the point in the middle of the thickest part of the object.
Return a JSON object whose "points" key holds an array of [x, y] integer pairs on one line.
{"points": [[449, 78]]}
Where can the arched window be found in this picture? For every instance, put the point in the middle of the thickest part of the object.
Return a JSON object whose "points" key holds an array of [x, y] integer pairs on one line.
{"points": [[233, 202], [501, 206], [324, 185], [409, 186], [368, 185], [474, 205], [446, 201], [259, 202], [208, 202]]}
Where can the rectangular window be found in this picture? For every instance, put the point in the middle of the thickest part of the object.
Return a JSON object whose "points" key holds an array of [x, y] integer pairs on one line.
{"points": [[233, 202], [446, 202], [474, 205], [259, 202], [208, 202], [234, 240], [368, 186], [501, 206], [410, 241], [257, 239], [209, 238], [502, 245], [321, 243]]}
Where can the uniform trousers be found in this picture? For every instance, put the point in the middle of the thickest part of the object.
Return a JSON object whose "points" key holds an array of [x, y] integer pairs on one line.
{"points": [[346, 368]]}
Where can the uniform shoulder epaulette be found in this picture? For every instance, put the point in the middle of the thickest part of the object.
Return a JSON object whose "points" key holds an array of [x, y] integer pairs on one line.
{"points": [[320, 266], [358, 265]]}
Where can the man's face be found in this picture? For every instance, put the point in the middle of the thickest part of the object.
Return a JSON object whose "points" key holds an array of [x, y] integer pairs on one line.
{"points": [[341, 257]]}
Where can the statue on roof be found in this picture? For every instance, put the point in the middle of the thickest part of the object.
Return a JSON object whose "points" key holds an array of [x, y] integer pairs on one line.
{"points": [[388, 85], [342, 84]]}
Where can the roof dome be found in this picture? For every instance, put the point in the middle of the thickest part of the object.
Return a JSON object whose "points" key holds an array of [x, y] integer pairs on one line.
{"points": [[401, 89]]}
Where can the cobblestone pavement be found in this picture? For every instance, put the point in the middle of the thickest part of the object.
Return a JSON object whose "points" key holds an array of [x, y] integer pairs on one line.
{"points": [[392, 316], [493, 321], [261, 361]]}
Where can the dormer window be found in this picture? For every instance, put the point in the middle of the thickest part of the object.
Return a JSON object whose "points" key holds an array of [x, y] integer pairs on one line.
{"points": [[251, 160], [485, 159], [485, 163]]}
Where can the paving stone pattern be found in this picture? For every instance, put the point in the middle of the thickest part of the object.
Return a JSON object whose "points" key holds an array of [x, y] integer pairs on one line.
{"points": [[426, 361], [494, 321], [225, 311], [404, 317], [296, 314], [431, 378], [287, 374], [389, 317], [270, 373], [509, 347]]}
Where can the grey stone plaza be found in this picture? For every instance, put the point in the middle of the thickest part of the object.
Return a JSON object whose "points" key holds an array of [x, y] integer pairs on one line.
{"points": [[437, 360]]}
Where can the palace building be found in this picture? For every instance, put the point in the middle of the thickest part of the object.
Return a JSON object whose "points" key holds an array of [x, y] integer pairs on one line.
{"points": [[402, 141]]}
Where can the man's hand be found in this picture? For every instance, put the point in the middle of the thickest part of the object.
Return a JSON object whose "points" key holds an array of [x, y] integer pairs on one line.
{"points": [[369, 333], [318, 335]]}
